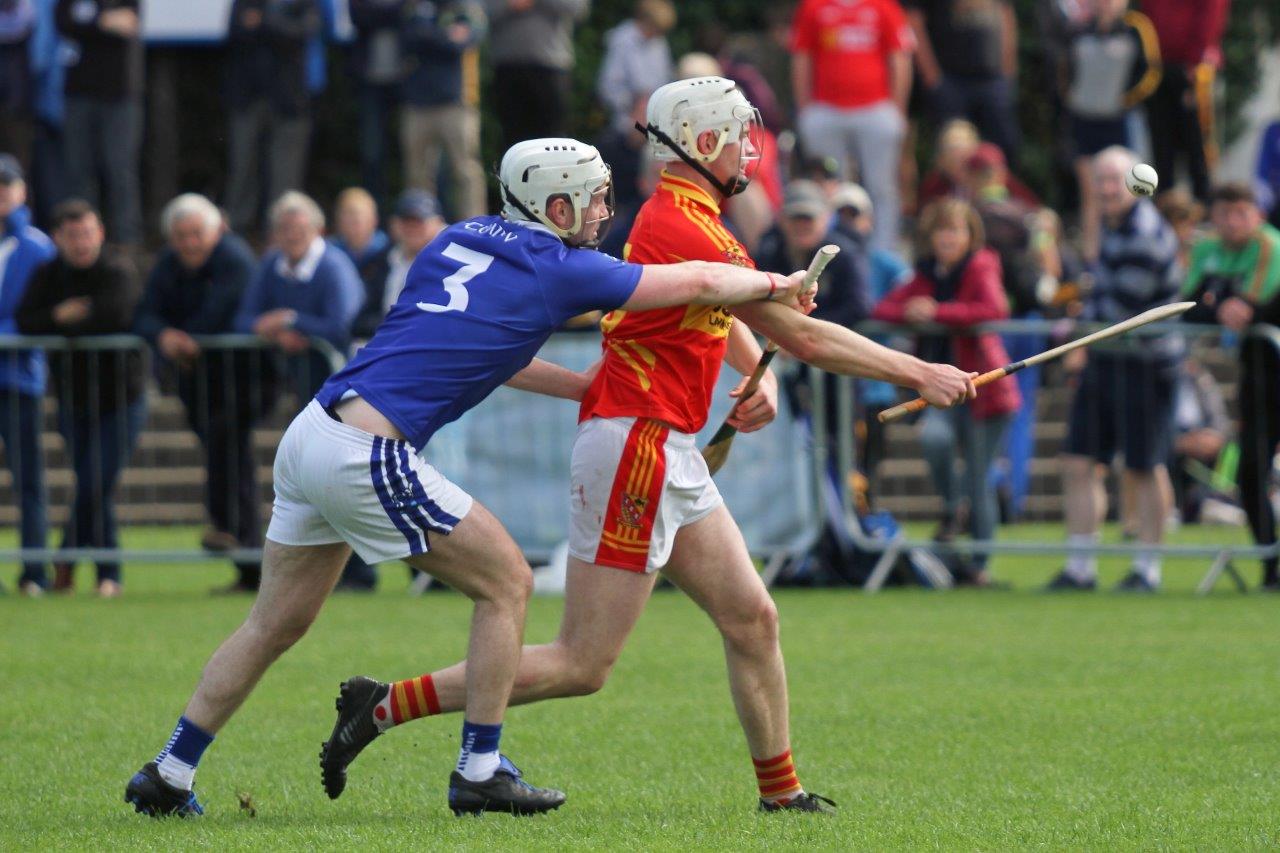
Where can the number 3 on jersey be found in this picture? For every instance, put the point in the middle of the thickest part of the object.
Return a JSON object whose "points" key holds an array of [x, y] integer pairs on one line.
{"points": [[473, 263]]}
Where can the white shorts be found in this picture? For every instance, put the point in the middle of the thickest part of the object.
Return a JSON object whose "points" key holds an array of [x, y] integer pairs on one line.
{"points": [[336, 483], [634, 483]]}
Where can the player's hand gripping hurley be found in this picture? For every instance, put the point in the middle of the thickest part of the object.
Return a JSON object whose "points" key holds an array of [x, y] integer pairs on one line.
{"points": [[1164, 312], [717, 450]]}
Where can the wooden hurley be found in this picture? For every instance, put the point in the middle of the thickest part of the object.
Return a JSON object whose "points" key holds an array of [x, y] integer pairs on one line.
{"points": [[717, 450], [1155, 315]]}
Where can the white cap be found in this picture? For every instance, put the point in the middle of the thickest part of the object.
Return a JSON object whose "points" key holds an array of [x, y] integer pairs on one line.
{"points": [[851, 195], [537, 169]]}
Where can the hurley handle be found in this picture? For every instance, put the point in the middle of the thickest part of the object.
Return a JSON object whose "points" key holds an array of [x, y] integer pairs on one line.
{"points": [[919, 403], [819, 263]]}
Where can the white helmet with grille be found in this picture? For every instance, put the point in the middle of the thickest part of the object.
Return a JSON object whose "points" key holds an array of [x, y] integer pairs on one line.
{"points": [[678, 113], [536, 170]]}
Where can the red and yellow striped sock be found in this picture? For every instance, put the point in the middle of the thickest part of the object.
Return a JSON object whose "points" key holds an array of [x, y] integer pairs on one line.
{"points": [[407, 700], [777, 778]]}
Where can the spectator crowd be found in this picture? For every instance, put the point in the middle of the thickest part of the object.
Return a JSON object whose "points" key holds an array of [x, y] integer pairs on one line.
{"points": [[848, 92]]}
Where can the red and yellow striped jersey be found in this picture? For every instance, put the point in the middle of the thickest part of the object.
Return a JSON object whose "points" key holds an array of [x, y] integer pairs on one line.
{"points": [[663, 364]]}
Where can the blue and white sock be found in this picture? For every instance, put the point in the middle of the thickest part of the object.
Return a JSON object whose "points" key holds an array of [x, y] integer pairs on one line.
{"points": [[177, 761], [479, 756]]}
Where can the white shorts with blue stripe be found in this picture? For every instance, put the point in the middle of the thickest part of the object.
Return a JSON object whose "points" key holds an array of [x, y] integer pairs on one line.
{"points": [[336, 483]]}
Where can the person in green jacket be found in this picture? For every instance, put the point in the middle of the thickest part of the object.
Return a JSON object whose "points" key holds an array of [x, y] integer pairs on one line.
{"points": [[1235, 278]]}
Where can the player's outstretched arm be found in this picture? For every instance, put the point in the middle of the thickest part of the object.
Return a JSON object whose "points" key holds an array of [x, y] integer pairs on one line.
{"points": [[544, 377], [839, 350], [707, 283]]}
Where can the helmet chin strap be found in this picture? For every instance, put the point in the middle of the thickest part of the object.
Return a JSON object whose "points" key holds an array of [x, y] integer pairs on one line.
{"points": [[508, 195], [735, 184]]}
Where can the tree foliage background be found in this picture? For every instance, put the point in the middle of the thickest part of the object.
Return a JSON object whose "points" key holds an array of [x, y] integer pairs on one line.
{"points": [[199, 135]]}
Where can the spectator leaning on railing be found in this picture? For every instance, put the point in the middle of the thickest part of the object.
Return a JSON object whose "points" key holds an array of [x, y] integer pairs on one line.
{"points": [[195, 289], [415, 222], [957, 283], [303, 287], [1124, 400], [23, 249], [101, 406], [1235, 279], [805, 225], [886, 271]]}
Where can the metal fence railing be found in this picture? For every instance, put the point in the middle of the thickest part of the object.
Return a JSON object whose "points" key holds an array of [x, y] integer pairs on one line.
{"points": [[117, 451], [838, 453], [210, 434]]}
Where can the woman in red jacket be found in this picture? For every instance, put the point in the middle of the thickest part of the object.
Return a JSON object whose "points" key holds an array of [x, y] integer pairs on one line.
{"points": [[958, 284]]}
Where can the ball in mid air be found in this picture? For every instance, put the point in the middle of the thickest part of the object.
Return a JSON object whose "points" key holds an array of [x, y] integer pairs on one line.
{"points": [[1142, 180]]}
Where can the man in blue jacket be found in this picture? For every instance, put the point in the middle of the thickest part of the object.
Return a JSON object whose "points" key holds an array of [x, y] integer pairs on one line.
{"points": [[23, 249], [305, 289]]}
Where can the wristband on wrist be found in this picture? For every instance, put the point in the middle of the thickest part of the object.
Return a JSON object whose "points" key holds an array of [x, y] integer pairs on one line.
{"points": [[773, 286]]}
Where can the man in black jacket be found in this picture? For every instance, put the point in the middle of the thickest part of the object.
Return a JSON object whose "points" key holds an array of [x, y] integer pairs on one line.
{"points": [[805, 224], [415, 222], [267, 91], [103, 129], [195, 289], [101, 406]]}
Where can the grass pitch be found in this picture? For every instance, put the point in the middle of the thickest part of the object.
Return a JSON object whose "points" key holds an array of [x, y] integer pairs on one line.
{"points": [[963, 720]]}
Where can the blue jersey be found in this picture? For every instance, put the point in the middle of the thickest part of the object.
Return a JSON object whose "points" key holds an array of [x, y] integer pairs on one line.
{"points": [[477, 305]]}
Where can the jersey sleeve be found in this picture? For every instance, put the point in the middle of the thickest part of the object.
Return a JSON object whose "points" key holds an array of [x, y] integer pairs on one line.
{"points": [[584, 281]]}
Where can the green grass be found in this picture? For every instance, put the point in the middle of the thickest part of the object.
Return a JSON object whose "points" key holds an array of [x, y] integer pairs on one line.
{"points": [[962, 720]]}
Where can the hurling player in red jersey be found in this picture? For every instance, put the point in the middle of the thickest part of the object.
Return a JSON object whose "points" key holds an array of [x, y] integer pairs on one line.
{"points": [[642, 498]]}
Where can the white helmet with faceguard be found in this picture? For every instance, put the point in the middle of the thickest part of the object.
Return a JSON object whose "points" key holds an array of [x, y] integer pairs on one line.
{"points": [[680, 112], [536, 171]]}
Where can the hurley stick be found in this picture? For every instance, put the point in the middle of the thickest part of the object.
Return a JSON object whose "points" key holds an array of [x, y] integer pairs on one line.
{"points": [[1164, 312], [717, 450]]}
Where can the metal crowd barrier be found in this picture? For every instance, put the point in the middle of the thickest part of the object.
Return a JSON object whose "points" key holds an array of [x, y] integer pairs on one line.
{"points": [[511, 452], [232, 389], [840, 450]]}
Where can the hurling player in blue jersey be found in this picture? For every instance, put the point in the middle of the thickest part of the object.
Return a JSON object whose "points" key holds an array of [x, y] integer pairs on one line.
{"points": [[349, 473]]}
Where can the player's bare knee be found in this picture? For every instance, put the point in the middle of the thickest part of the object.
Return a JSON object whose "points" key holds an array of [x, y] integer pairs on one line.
{"points": [[510, 587], [751, 626], [587, 677], [279, 632]]}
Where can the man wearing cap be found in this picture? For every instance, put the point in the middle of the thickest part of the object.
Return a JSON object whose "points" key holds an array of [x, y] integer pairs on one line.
{"points": [[23, 250], [415, 222], [805, 224], [886, 270]]}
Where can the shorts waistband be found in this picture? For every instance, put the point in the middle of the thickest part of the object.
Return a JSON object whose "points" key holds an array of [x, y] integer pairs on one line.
{"points": [[675, 438], [325, 420]]}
